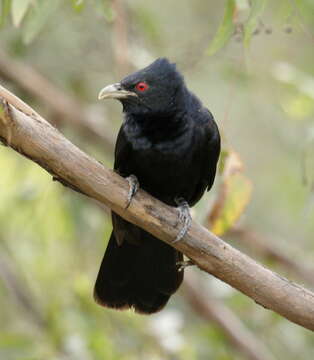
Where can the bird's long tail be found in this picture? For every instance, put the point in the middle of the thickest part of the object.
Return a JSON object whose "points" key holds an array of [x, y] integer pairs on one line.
{"points": [[142, 276]]}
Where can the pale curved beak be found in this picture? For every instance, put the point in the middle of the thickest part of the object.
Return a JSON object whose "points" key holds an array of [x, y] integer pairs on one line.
{"points": [[114, 91]]}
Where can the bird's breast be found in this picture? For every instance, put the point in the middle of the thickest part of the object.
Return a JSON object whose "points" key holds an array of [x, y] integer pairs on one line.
{"points": [[167, 169]]}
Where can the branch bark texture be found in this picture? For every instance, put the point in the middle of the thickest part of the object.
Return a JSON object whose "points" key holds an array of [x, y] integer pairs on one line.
{"points": [[33, 137]]}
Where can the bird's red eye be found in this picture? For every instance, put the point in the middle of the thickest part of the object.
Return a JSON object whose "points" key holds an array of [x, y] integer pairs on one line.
{"points": [[141, 86]]}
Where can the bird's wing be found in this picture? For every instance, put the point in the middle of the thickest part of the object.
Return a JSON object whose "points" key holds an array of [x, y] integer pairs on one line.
{"points": [[122, 161], [212, 150], [122, 155], [207, 153]]}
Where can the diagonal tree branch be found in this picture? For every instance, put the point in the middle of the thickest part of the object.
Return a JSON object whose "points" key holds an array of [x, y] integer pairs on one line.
{"points": [[33, 137]]}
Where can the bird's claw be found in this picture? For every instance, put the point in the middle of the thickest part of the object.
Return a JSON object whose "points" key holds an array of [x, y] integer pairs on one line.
{"points": [[133, 187], [184, 217], [183, 264]]}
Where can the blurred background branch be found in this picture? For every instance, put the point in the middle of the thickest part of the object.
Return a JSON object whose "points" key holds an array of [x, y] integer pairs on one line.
{"points": [[266, 248], [215, 312], [63, 107]]}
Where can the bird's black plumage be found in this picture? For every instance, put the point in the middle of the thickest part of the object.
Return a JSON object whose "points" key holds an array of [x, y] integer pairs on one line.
{"points": [[171, 143]]}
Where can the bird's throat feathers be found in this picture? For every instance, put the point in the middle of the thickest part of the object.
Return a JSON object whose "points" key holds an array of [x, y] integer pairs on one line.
{"points": [[146, 131]]}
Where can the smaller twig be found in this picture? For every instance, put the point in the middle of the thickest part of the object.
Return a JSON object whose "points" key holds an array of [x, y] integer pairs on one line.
{"points": [[266, 248], [213, 311]]}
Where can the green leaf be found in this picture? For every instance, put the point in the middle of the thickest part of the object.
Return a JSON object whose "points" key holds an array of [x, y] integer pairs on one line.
{"points": [[78, 5], [225, 29], [37, 17], [4, 11], [257, 9], [18, 10]]}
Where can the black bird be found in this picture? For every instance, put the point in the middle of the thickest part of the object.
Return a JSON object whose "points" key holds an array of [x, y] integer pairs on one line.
{"points": [[169, 144]]}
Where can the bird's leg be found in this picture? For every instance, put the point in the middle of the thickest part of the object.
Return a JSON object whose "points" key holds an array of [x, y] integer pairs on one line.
{"points": [[133, 187], [184, 217], [183, 264]]}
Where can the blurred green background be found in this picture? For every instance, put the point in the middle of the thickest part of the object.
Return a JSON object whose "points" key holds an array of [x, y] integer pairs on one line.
{"points": [[252, 64]]}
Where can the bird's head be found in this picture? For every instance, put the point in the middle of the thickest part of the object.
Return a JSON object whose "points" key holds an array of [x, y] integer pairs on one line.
{"points": [[154, 90]]}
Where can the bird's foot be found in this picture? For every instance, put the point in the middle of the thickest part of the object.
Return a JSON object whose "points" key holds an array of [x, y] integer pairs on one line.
{"points": [[183, 264], [133, 187], [184, 217]]}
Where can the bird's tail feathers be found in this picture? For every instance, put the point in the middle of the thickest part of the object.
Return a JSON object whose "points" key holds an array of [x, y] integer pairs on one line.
{"points": [[141, 276]]}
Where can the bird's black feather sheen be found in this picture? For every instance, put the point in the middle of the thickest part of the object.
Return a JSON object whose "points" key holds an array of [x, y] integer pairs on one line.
{"points": [[171, 143]]}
